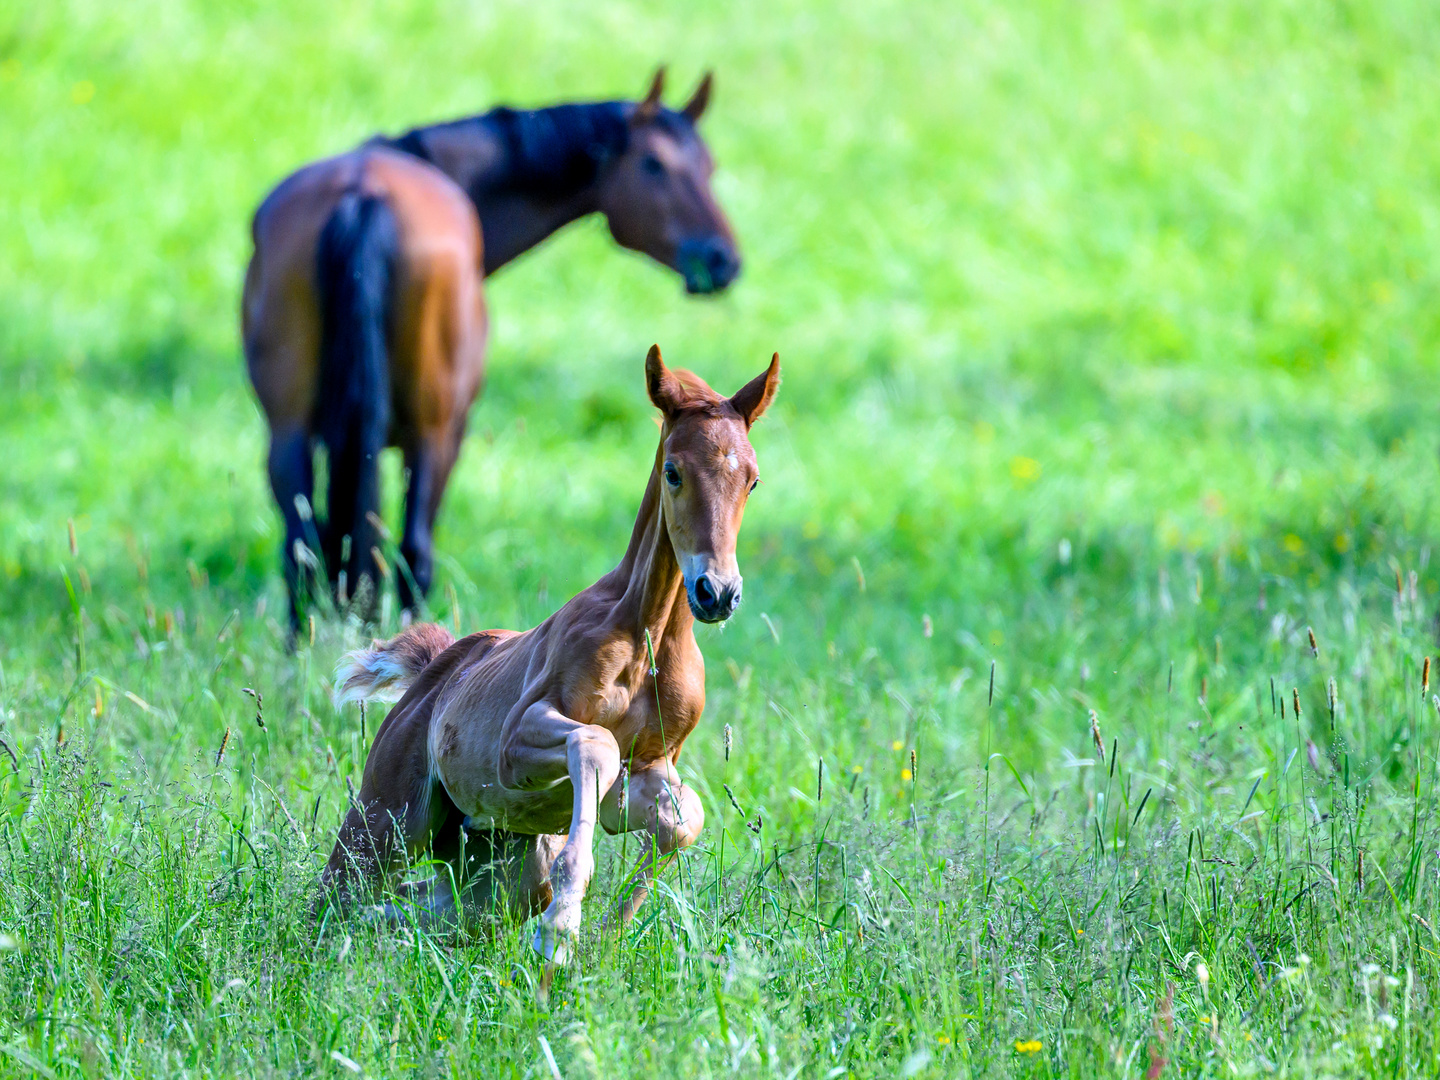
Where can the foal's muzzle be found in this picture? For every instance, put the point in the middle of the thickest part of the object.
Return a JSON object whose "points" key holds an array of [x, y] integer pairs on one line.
{"points": [[708, 265], [712, 600]]}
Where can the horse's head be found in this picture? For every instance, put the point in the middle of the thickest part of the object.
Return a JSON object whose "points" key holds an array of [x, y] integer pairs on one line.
{"points": [[656, 195], [707, 471]]}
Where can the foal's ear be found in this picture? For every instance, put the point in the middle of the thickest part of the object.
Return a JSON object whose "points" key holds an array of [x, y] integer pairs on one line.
{"points": [[649, 108], [752, 399], [665, 388], [695, 107]]}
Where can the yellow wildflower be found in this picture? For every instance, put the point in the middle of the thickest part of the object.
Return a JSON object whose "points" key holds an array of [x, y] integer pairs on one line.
{"points": [[1028, 1046]]}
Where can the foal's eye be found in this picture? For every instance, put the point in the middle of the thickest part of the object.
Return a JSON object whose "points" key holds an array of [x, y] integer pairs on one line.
{"points": [[672, 475], [652, 165], [754, 483]]}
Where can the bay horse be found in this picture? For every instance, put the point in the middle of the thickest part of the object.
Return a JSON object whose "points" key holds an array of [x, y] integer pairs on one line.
{"points": [[508, 739], [364, 319]]}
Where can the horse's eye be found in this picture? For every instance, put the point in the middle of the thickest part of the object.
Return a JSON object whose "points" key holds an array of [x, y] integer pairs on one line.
{"points": [[652, 165], [672, 475], [754, 483]]}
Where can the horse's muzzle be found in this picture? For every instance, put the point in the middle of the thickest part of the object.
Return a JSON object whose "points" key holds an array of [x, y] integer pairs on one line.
{"points": [[708, 265], [712, 600]]}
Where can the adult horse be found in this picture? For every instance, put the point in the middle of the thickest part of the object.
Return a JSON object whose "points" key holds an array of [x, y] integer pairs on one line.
{"points": [[364, 318], [521, 736]]}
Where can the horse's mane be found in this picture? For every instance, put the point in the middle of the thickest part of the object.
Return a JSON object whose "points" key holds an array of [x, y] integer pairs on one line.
{"points": [[551, 151], [563, 148]]}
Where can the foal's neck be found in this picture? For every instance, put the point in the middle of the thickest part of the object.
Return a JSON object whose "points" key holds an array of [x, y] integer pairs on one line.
{"points": [[648, 584]]}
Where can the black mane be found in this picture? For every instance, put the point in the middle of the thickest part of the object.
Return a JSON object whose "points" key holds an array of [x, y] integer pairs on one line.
{"points": [[552, 151], [561, 148]]}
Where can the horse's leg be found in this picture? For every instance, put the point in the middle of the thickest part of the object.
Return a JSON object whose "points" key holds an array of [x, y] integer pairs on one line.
{"points": [[438, 377], [671, 816], [508, 875], [292, 479], [539, 747], [397, 811], [429, 462]]}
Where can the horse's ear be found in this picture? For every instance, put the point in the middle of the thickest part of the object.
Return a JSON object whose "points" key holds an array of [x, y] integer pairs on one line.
{"points": [[695, 107], [649, 108], [665, 388], [752, 399]]}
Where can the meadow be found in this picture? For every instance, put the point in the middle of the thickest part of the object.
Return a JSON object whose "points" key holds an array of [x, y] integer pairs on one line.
{"points": [[1079, 704]]}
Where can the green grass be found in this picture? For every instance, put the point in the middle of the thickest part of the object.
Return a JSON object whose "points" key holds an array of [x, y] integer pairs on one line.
{"points": [[1109, 338]]}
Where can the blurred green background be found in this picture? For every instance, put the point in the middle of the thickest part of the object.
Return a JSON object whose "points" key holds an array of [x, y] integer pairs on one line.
{"points": [[1176, 256], [1109, 338]]}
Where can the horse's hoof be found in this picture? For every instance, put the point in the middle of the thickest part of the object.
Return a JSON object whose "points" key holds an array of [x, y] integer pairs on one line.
{"points": [[553, 947]]}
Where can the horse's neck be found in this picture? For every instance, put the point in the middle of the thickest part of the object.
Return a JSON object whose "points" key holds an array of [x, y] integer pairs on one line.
{"points": [[648, 584], [513, 224], [514, 216]]}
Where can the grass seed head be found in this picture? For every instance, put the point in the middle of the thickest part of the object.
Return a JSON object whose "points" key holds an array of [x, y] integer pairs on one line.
{"points": [[1314, 648], [259, 705], [1425, 679], [1096, 736], [1296, 692], [733, 801], [728, 740], [224, 742], [74, 547]]}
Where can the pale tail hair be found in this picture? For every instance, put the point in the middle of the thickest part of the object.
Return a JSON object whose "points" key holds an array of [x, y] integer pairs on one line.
{"points": [[385, 671]]}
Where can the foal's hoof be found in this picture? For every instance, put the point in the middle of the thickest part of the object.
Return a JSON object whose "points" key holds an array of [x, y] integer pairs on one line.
{"points": [[552, 944]]}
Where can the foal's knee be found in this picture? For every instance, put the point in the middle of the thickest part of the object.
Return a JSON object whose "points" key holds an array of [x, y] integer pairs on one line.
{"points": [[595, 747]]}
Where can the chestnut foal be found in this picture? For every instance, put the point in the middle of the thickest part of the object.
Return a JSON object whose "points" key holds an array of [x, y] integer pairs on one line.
{"points": [[493, 727]]}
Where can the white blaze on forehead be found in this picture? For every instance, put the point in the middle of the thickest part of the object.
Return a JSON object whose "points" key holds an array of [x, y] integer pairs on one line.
{"points": [[732, 460]]}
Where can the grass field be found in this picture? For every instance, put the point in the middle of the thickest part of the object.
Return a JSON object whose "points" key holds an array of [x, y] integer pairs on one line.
{"points": [[1109, 335]]}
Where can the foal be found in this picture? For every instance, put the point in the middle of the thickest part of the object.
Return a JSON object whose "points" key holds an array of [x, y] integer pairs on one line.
{"points": [[599, 697]]}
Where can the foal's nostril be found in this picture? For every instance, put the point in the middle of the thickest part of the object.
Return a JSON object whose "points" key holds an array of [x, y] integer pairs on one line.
{"points": [[705, 594]]}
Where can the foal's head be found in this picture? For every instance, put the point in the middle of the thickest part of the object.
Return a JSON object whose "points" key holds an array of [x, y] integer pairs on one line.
{"points": [[707, 471], [656, 195]]}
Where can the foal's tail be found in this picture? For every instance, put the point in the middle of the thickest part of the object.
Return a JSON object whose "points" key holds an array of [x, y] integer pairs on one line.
{"points": [[355, 264], [387, 668]]}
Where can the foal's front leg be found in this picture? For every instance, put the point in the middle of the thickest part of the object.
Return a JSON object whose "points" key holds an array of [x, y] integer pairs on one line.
{"points": [[540, 750], [671, 816]]}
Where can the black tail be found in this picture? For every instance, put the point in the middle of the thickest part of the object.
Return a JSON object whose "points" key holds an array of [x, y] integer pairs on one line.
{"points": [[355, 265]]}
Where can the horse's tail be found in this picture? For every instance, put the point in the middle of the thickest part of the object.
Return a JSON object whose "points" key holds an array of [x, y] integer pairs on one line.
{"points": [[355, 267], [386, 669]]}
